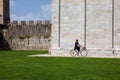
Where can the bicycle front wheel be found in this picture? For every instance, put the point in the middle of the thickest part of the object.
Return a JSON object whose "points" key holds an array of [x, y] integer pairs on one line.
{"points": [[73, 52], [84, 53]]}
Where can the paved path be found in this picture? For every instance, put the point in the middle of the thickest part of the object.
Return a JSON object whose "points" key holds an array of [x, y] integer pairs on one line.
{"points": [[91, 56]]}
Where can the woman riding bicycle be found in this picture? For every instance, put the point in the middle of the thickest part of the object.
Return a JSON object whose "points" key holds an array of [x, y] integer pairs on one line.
{"points": [[77, 46]]}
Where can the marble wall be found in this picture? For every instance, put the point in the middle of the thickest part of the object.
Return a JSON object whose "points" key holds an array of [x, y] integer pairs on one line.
{"points": [[95, 23]]}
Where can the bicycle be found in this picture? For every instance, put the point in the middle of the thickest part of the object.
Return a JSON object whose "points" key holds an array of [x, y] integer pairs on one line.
{"points": [[83, 52]]}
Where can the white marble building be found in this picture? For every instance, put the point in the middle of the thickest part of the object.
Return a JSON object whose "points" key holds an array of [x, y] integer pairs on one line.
{"points": [[95, 23]]}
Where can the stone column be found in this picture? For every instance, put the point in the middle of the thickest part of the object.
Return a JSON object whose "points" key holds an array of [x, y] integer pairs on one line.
{"points": [[55, 26]]}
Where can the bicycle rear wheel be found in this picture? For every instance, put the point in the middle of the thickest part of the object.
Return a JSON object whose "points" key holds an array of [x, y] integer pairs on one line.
{"points": [[84, 53], [73, 52]]}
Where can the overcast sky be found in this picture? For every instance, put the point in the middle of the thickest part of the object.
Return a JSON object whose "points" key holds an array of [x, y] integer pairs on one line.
{"points": [[30, 10]]}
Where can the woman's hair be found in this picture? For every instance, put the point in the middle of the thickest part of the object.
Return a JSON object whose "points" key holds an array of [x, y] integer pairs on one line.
{"points": [[76, 39]]}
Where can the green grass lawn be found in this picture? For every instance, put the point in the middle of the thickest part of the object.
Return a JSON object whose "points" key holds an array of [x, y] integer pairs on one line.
{"points": [[16, 65]]}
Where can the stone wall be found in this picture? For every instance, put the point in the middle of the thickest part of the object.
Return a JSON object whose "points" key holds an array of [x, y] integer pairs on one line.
{"points": [[117, 24], [94, 22], [99, 23], [28, 36]]}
